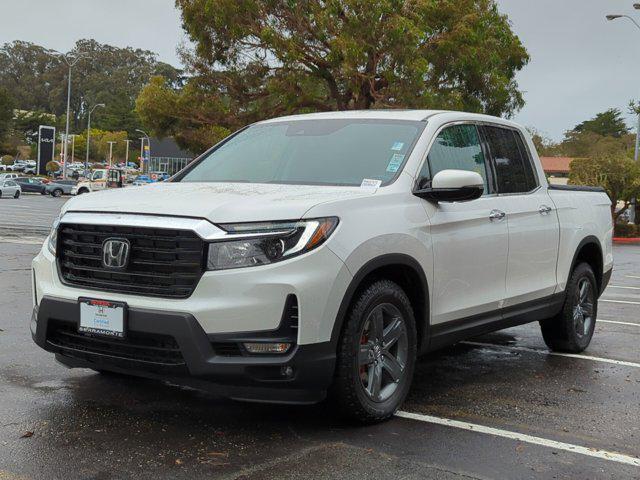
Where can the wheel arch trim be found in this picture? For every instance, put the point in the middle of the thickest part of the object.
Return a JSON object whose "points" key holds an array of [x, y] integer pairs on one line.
{"points": [[369, 267]]}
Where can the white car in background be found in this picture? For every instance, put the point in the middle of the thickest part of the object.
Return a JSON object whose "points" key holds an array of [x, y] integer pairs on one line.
{"points": [[9, 188]]}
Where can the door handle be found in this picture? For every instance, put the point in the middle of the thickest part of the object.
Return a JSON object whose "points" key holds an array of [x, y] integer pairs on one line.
{"points": [[544, 209], [496, 215]]}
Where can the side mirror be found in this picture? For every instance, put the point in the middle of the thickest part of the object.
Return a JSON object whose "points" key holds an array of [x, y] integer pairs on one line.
{"points": [[452, 186]]}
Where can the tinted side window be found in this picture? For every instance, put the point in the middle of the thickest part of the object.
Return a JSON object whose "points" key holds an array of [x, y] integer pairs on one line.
{"points": [[514, 171], [457, 147]]}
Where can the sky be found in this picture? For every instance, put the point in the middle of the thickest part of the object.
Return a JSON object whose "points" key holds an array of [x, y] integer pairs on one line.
{"points": [[581, 64]]}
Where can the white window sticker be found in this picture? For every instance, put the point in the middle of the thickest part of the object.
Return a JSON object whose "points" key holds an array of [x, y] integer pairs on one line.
{"points": [[397, 146], [370, 184], [395, 162]]}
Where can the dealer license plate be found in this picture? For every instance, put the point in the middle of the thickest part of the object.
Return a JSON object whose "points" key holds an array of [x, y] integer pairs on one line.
{"points": [[101, 317]]}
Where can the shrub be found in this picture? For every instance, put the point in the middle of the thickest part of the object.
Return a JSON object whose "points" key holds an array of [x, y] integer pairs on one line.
{"points": [[52, 167], [626, 230]]}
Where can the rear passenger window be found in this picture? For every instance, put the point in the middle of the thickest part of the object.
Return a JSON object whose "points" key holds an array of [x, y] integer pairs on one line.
{"points": [[456, 147], [513, 168]]}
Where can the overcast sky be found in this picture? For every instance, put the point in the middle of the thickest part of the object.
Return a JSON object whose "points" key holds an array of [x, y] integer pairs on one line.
{"points": [[580, 63]]}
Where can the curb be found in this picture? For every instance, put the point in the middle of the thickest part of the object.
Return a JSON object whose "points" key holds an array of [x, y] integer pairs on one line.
{"points": [[627, 241]]}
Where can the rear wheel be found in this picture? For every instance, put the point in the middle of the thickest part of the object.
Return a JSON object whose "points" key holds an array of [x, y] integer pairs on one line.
{"points": [[376, 354], [56, 193], [572, 329]]}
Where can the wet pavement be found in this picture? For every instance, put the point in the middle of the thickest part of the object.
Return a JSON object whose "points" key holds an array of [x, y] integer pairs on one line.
{"points": [[57, 423]]}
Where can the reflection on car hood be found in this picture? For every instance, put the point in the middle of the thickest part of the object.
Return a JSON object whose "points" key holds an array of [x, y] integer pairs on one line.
{"points": [[217, 202]]}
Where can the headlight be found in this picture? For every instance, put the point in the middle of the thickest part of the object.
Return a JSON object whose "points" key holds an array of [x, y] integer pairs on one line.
{"points": [[53, 236], [267, 242]]}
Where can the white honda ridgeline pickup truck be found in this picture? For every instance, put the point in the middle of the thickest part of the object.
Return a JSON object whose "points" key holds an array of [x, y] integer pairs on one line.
{"points": [[318, 255]]}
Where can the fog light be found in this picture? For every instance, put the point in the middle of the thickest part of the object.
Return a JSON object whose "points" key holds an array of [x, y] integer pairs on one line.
{"points": [[286, 371], [267, 347]]}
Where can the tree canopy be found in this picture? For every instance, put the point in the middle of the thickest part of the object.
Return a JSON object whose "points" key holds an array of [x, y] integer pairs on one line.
{"points": [[617, 174], [608, 124], [262, 58], [37, 80]]}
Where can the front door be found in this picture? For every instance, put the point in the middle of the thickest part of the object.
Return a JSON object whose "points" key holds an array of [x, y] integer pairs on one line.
{"points": [[470, 239]]}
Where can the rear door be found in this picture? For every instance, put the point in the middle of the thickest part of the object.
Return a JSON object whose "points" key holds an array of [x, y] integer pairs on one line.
{"points": [[470, 239], [531, 219]]}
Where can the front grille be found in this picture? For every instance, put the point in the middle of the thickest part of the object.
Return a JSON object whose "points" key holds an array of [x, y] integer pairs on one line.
{"points": [[145, 350], [163, 262]]}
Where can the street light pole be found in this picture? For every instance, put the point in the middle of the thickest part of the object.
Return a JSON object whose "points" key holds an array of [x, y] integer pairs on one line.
{"points": [[632, 216], [86, 160], [111, 152], [73, 146], [142, 148], [70, 64], [126, 155]]}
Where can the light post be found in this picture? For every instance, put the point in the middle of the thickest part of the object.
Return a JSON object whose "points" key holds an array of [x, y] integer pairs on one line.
{"points": [[70, 63], [73, 146], [142, 159], [126, 153], [111, 152], [86, 160], [632, 216]]}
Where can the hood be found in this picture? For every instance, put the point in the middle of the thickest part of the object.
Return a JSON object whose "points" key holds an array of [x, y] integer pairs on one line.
{"points": [[217, 202]]}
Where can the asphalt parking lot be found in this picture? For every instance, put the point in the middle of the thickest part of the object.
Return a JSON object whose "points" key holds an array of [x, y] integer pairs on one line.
{"points": [[499, 406]]}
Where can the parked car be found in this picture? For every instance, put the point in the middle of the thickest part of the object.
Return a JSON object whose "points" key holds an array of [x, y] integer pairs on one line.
{"points": [[159, 176], [60, 187], [30, 168], [142, 180], [9, 188], [31, 184], [321, 254], [8, 176], [18, 166]]}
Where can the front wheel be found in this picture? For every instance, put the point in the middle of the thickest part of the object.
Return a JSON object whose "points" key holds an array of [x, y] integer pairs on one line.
{"points": [[17, 194], [376, 354], [56, 193], [572, 329]]}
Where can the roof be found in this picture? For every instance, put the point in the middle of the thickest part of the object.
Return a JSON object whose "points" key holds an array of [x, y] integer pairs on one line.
{"points": [[167, 147], [397, 114], [415, 115], [556, 164]]}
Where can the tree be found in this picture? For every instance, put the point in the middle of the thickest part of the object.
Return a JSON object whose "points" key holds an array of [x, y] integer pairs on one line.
{"points": [[37, 78], [260, 58], [6, 112], [618, 175], [52, 167], [608, 124]]}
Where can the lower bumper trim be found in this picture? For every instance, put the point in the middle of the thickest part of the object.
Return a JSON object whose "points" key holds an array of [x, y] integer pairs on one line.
{"points": [[172, 346]]}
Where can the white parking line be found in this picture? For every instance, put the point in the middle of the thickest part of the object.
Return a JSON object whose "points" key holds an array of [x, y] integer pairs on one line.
{"points": [[521, 437], [621, 286], [627, 302], [556, 354], [632, 276], [600, 320]]}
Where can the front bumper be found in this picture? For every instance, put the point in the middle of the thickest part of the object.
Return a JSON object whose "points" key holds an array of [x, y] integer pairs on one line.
{"points": [[173, 346]]}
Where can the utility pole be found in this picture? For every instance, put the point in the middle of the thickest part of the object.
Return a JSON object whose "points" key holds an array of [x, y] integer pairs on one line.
{"points": [[126, 155], [86, 160], [111, 152]]}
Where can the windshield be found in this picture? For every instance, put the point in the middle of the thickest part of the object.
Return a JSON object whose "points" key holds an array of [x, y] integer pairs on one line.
{"points": [[311, 152]]}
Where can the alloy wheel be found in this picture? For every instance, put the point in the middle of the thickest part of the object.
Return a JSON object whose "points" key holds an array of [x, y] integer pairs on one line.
{"points": [[583, 309], [383, 352]]}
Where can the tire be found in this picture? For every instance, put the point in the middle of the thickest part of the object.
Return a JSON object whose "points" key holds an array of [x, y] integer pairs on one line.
{"points": [[572, 329], [363, 358], [17, 195], [82, 190], [56, 193]]}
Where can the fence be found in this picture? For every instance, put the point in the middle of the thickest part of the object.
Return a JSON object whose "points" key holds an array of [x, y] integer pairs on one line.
{"points": [[170, 165]]}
